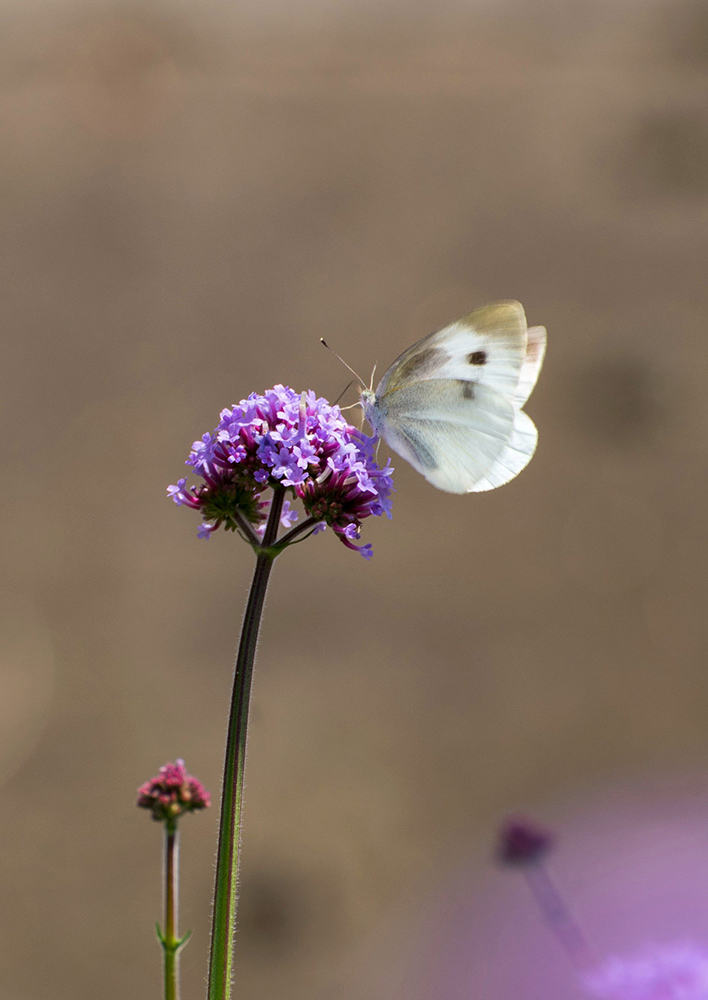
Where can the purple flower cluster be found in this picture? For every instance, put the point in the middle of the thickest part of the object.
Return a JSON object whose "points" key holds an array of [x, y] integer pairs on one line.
{"points": [[295, 440], [671, 972], [172, 793]]}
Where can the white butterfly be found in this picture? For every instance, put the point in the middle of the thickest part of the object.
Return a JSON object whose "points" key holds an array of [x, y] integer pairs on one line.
{"points": [[451, 404]]}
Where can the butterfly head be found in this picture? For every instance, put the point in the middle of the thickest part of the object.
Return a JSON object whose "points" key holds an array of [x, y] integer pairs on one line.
{"points": [[372, 410], [368, 396], [368, 400]]}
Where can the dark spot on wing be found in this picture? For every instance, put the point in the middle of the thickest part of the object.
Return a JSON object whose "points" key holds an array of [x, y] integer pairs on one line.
{"points": [[421, 364], [467, 390], [477, 358]]}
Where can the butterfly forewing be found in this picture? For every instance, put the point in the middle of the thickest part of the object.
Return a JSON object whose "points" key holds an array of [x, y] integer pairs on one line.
{"points": [[489, 347]]}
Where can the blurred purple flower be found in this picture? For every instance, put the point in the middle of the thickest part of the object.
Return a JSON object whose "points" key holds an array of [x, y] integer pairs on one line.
{"points": [[172, 793], [288, 516], [522, 842], [668, 972], [295, 440]]}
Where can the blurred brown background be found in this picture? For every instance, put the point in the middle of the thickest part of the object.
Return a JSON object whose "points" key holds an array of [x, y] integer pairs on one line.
{"points": [[193, 194]]}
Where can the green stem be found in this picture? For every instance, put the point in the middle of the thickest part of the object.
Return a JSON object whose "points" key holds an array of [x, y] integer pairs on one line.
{"points": [[246, 529], [170, 941], [229, 849], [307, 525]]}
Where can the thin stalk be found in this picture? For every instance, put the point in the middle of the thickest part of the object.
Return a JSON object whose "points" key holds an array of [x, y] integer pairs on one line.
{"points": [[558, 917], [306, 525], [170, 941], [229, 849], [246, 529]]}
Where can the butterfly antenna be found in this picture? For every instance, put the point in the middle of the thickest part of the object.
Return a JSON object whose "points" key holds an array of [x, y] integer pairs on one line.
{"points": [[358, 377], [371, 387]]}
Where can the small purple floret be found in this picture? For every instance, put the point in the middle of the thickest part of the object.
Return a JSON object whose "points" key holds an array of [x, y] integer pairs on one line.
{"points": [[172, 793], [288, 516], [668, 972], [522, 842], [295, 440]]}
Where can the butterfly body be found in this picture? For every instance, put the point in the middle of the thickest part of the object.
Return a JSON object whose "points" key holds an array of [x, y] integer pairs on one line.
{"points": [[451, 404]]}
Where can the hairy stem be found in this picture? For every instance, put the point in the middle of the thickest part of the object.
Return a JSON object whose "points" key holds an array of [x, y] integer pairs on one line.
{"points": [[228, 851]]}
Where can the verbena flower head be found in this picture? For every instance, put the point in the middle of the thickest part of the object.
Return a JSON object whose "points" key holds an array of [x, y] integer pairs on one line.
{"points": [[295, 440], [669, 972], [172, 793], [522, 842]]}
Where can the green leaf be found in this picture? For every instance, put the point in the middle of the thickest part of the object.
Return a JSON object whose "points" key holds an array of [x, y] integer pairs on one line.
{"points": [[183, 940]]}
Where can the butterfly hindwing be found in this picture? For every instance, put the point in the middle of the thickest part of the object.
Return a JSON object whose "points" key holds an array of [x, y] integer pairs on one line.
{"points": [[462, 437], [531, 367]]}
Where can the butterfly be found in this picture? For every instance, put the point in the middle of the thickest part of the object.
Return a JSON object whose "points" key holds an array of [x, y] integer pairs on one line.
{"points": [[451, 404]]}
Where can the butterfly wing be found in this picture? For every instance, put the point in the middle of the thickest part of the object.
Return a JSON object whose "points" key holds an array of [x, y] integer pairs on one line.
{"points": [[491, 346], [531, 365], [451, 404], [463, 437]]}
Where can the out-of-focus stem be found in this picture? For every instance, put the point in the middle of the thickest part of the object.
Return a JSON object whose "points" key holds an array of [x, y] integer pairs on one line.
{"points": [[557, 915], [228, 851]]}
